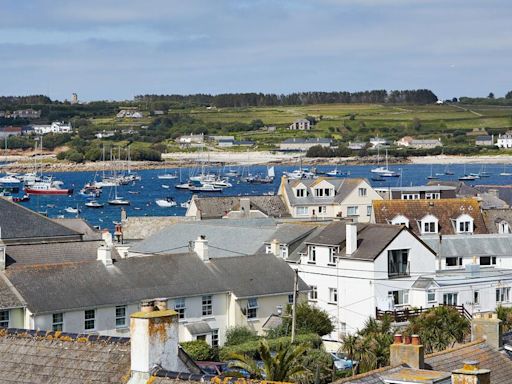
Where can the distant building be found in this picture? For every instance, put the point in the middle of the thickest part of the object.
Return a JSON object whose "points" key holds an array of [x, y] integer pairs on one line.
{"points": [[299, 144], [244, 143], [27, 114], [505, 140], [2, 114], [378, 142], [356, 146], [300, 125], [158, 113], [104, 134], [74, 98], [422, 192], [55, 127], [224, 143], [486, 140], [405, 141], [129, 113], [191, 139], [270, 128], [425, 144]]}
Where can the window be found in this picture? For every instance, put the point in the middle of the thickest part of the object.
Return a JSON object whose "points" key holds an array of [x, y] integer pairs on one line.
{"points": [[299, 192], [453, 261], [313, 293], [333, 295], [215, 338], [450, 298], [410, 196], [252, 308], [322, 209], [362, 192], [503, 227], [57, 321], [268, 248], [487, 260], [312, 254], [332, 255], [476, 297], [428, 224], [179, 306], [327, 192], [429, 227], [352, 211], [400, 220], [4, 319], [284, 251], [201, 337], [464, 224], [368, 210], [432, 195], [90, 319], [121, 316], [319, 192], [398, 263], [503, 295], [301, 211], [207, 305], [431, 296], [399, 297], [290, 298]]}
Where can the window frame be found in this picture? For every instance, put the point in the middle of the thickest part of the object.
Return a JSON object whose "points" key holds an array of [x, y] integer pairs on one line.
{"points": [[398, 264], [313, 293], [215, 338], [454, 297], [57, 324], [502, 295], [312, 254], [301, 211], [400, 297], [252, 308], [5, 318], [354, 208], [362, 192], [429, 297], [333, 259], [207, 305], [88, 320], [458, 261], [120, 317], [180, 306], [333, 296], [300, 192]]}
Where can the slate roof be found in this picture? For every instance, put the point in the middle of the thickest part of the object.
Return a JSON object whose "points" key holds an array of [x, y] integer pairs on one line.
{"points": [[41, 358], [490, 201], [445, 210], [476, 245], [372, 239], [225, 237], [342, 187], [141, 227], [217, 207], [80, 226], [289, 233], [300, 140], [493, 217], [462, 189], [71, 286], [18, 223], [504, 191], [8, 296]]}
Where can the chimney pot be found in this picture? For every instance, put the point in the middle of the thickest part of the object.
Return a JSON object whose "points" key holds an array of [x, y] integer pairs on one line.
{"points": [[416, 340], [397, 339], [407, 339], [161, 304], [147, 306]]}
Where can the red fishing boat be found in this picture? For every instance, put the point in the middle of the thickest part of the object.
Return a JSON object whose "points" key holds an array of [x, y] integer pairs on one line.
{"points": [[47, 188]]}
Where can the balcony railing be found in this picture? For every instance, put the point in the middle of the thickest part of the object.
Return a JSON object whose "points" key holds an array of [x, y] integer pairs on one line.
{"points": [[403, 315]]}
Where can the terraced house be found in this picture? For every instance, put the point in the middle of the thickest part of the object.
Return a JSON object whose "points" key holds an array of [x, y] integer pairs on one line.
{"points": [[327, 198]]}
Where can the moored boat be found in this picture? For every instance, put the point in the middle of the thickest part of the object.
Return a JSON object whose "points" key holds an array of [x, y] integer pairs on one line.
{"points": [[47, 188]]}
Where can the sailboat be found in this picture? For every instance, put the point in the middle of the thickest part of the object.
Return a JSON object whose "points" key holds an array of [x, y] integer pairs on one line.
{"points": [[483, 172], [384, 171], [467, 177], [505, 173], [447, 171], [432, 176], [167, 175], [117, 200]]}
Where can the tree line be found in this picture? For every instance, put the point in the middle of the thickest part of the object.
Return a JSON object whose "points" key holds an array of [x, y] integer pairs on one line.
{"points": [[253, 99]]}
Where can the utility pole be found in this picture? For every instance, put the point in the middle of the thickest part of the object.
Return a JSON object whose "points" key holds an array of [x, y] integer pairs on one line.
{"points": [[294, 305]]}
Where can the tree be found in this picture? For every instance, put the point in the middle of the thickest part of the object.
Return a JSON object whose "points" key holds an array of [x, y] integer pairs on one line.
{"points": [[309, 319], [280, 366], [239, 335], [508, 95], [439, 328], [199, 350], [491, 95]]}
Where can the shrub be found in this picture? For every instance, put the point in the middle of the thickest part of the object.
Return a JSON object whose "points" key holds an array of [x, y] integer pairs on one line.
{"points": [[198, 350], [239, 335]]}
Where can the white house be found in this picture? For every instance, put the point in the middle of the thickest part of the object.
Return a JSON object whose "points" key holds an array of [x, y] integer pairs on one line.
{"points": [[327, 198], [505, 140], [55, 127], [378, 142], [354, 268], [300, 125]]}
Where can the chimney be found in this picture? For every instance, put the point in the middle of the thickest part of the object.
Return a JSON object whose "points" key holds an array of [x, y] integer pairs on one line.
{"points": [[487, 326], [412, 353], [274, 247], [350, 238], [107, 237], [245, 206], [494, 192], [105, 254], [2, 254], [124, 215], [473, 269], [201, 248], [471, 373], [154, 341]]}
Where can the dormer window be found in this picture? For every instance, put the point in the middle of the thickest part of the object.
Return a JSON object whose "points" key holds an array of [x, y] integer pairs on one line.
{"points": [[323, 192], [400, 220], [301, 192], [464, 224], [429, 224], [503, 227]]}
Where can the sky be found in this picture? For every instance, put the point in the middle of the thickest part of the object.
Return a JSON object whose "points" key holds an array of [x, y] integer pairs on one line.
{"points": [[116, 49]]}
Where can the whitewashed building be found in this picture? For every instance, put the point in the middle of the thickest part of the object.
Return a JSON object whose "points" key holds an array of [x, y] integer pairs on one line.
{"points": [[300, 125], [504, 140], [55, 127]]}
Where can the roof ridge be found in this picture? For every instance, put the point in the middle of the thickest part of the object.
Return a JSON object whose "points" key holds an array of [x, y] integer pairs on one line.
{"points": [[61, 336], [459, 347], [369, 373]]}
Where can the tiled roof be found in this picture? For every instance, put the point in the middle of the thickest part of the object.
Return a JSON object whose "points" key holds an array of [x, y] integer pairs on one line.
{"points": [[476, 245], [217, 207], [445, 210], [17, 223]]}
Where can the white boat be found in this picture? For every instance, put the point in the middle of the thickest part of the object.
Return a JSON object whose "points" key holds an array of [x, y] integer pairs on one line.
{"points": [[232, 173], [221, 184], [166, 203], [505, 173], [384, 171], [8, 179], [185, 204], [94, 204], [168, 176], [72, 210], [204, 188], [119, 201], [165, 186]]}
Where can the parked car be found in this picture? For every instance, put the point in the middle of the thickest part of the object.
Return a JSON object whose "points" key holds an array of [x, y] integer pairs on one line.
{"points": [[341, 362]]}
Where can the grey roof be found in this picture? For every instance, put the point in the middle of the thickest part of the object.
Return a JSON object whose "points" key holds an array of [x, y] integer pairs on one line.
{"points": [[423, 282], [141, 227], [300, 140], [80, 226], [39, 254], [225, 237], [342, 186], [372, 239], [41, 358], [17, 223], [462, 189], [493, 217], [426, 188], [456, 277], [504, 192], [91, 284], [491, 201], [198, 328], [475, 245], [300, 248], [217, 207], [8, 296], [484, 138], [290, 233], [272, 322]]}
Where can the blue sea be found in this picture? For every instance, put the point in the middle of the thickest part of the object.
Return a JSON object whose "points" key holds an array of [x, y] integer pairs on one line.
{"points": [[150, 188]]}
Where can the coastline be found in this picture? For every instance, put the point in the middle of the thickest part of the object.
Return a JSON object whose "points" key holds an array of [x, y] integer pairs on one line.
{"points": [[48, 162]]}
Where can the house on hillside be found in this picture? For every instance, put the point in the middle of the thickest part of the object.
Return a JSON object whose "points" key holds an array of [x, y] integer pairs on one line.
{"points": [[300, 144], [485, 140], [504, 140], [10, 131], [300, 125], [326, 198], [26, 114], [376, 142]]}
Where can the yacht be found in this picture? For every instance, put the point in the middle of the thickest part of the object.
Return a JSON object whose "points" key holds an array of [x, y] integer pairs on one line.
{"points": [[94, 204], [166, 203], [47, 188]]}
